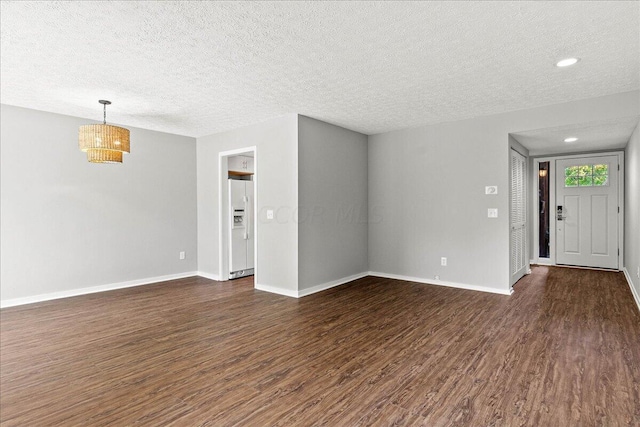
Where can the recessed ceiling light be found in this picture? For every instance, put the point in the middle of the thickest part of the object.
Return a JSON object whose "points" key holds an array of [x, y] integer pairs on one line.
{"points": [[566, 62], [571, 139]]}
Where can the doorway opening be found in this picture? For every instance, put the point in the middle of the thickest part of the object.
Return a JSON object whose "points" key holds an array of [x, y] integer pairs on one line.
{"points": [[580, 200], [237, 204]]}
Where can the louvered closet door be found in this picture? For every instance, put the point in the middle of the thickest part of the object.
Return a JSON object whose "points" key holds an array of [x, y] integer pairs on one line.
{"points": [[518, 217]]}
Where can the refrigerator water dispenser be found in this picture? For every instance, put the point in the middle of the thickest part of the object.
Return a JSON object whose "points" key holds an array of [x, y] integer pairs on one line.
{"points": [[238, 218]]}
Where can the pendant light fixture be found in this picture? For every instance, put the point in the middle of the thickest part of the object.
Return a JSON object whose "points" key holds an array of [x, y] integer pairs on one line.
{"points": [[103, 143]]}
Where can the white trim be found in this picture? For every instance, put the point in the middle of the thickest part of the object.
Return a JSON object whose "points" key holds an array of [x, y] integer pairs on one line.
{"points": [[331, 284], [442, 283], [93, 289], [582, 267], [274, 290], [209, 276], [621, 209], [308, 291], [539, 262], [633, 289]]}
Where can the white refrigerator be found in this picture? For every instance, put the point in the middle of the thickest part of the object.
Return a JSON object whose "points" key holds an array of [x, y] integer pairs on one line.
{"points": [[241, 233]]}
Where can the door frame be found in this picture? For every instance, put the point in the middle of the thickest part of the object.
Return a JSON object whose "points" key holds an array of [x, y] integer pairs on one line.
{"points": [[552, 204], [223, 210]]}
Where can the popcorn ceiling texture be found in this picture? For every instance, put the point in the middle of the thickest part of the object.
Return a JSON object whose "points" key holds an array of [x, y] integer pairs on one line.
{"points": [[196, 68]]}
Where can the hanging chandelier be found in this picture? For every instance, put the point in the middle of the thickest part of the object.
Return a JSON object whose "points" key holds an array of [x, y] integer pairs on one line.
{"points": [[103, 143]]}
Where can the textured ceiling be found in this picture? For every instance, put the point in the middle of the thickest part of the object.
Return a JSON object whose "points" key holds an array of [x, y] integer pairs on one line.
{"points": [[196, 68], [603, 135]]}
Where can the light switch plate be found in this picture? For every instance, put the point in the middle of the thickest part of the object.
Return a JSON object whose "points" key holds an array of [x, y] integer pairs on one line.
{"points": [[491, 189], [492, 213]]}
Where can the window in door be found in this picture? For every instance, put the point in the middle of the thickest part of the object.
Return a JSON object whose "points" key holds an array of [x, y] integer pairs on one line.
{"points": [[586, 176]]}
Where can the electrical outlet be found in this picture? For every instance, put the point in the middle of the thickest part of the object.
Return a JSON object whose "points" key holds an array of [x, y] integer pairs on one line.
{"points": [[269, 213], [437, 277], [182, 255], [443, 261], [492, 213], [638, 273]]}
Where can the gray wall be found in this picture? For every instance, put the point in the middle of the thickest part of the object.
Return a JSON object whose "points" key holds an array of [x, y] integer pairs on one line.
{"points": [[276, 142], [426, 191], [67, 224], [632, 209], [332, 195]]}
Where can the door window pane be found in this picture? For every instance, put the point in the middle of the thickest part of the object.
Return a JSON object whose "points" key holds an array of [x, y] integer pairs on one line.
{"points": [[572, 170], [601, 170], [586, 170], [585, 181], [571, 181], [600, 180]]}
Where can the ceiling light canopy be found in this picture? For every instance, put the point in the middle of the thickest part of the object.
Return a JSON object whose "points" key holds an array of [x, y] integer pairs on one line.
{"points": [[567, 62], [571, 139], [103, 143]]}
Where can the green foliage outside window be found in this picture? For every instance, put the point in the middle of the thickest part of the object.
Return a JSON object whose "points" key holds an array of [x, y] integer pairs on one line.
{"points": [[586, 176]]}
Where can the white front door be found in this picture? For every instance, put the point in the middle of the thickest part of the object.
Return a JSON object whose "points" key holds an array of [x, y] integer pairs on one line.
{"points": [[587, 211]]}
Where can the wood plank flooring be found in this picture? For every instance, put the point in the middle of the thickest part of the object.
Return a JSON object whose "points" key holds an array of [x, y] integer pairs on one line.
{"points": [[563, 350]]}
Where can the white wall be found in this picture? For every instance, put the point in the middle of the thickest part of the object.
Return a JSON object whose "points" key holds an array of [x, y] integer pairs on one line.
{"points": [[332, 193], [632, 211], [426, 191], [276, 142], [67, 224]]}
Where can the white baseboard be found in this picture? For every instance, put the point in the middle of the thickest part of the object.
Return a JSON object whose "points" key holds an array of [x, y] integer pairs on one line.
{"points": [[338, 282], [279, 291], [308, 291], [549, 264], [633, 289], [91, 290], [266, 288], [208, 276], [331, 284], [442, 283]]}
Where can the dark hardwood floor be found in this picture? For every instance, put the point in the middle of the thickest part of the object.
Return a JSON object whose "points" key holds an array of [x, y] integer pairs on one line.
{"points": [[564, 350]]}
